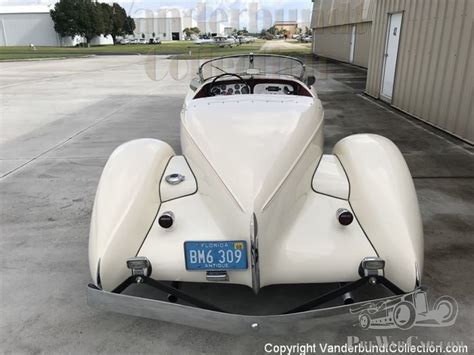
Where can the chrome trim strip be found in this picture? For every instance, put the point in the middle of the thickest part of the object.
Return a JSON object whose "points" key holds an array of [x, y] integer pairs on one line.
{"points": [[222, 322], [254, 254], [418, 275]]}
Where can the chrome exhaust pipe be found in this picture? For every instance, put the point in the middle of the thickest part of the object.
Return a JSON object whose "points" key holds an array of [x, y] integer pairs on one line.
{"points": [[347, 298]]}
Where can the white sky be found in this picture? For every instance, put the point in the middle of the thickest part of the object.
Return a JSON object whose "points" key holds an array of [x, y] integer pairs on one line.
{"points": [[157, 4], [267, 11]]}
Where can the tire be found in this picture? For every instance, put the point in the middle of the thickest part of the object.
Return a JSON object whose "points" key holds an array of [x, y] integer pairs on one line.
{"points": [[364, 321], [404, 315], [452, 309]]}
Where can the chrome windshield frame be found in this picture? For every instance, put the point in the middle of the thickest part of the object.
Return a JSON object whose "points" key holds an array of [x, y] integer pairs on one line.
{"points": [[251, 57]]}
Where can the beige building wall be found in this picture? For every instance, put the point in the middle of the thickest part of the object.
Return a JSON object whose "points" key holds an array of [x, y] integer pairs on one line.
{"points": [[362, 44], [335, 43], [435, 68], [328, 13], [332, 23], [290, 28]]}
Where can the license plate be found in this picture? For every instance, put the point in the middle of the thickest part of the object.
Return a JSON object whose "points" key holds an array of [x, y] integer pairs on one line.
{"points": [[219, 255]]}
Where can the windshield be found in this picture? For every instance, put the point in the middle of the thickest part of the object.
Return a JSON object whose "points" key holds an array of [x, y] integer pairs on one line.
{"points": [[252, 64]]}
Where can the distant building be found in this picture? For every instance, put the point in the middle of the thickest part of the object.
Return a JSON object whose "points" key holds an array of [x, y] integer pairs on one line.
{"points": [[228, 31], [25, 25], [290, 27], [164, 27]]}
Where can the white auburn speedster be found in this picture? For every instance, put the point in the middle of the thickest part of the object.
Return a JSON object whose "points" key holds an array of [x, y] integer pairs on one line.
{"points": [[252, 201]]}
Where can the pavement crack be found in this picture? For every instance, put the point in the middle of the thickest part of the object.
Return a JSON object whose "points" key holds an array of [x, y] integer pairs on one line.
{"points": [[65, 141]]}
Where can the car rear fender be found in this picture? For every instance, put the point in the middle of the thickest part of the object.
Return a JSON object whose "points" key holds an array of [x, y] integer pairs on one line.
{"points": [[126, 204], [383, 197]]}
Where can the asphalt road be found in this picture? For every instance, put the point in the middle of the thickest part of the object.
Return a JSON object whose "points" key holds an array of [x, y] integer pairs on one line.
{"points": [[60, 120]]}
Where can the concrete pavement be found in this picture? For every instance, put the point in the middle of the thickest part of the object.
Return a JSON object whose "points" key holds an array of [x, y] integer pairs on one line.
{"points": [[61, 120]]}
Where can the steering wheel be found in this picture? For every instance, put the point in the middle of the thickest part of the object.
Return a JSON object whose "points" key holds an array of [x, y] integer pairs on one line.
{"points": [[211, 86]]}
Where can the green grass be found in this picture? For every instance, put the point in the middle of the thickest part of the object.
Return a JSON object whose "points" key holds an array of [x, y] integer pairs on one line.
{"points": [[185, 48], [177, 49], [302, 50], [211, 51]]}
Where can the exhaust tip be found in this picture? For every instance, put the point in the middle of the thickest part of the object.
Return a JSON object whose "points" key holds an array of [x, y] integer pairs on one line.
{"points": [[348, 300], [172, 298]]}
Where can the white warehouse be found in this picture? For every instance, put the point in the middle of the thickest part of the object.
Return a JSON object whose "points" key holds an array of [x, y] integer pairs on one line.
{"points": [[23, 25], [165, 28]]}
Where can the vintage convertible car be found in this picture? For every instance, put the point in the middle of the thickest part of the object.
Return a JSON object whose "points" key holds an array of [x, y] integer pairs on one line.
{"points": [[253, 201]]}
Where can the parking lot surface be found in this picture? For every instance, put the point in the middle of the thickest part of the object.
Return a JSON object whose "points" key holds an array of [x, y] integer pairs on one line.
{"points": [[60, 120]]}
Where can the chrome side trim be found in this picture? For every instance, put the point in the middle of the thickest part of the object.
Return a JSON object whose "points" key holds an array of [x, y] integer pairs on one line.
{"points": [[99, 283], [254, 254], [222, 322], [418, 275]]}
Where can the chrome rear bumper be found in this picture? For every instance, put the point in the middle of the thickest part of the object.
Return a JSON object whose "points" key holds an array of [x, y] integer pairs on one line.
{"points": [[219, 321]]}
